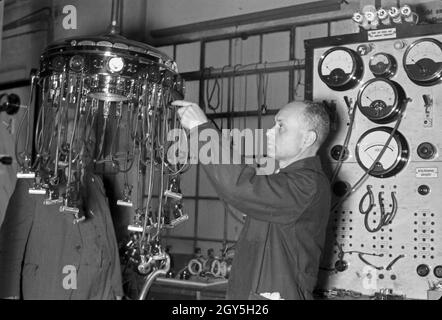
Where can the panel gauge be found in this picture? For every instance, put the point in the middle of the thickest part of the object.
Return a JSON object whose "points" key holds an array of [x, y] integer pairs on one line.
{"points": [[394, 159], [423, 61], [340, 68], [383, 65], [381, 100]]}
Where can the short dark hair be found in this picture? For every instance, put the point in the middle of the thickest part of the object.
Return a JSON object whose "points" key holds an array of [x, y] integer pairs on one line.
{"points": [[317, 119]]}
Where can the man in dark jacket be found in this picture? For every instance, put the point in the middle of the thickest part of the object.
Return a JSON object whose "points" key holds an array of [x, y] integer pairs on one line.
{"points": [[278, 251], [44, 255]]}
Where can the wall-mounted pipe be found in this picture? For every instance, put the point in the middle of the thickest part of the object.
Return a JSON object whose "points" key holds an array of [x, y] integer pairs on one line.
{"points": [[43, 14], [115, 25]]}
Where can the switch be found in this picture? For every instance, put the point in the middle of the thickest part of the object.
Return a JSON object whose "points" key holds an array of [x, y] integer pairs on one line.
{"points": [[10, 103], [6, 160], [398, 45], [426, 151], [423, 270], [428, 105], [423, 190], [336, 152], [438, 272], [341, 265], [340, 188]]}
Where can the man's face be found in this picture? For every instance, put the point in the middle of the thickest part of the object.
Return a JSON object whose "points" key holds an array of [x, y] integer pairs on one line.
{"points": [[286, 139]]}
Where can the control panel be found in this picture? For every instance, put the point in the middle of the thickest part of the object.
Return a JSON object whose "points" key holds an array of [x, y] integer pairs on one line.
{"points": [[383, 158]]}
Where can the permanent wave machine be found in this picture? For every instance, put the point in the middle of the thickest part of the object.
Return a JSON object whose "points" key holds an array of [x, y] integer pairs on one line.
{"points": [[106, 100]]}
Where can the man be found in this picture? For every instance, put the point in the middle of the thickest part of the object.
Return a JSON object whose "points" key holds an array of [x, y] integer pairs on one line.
{"points": [[44, 255], [278, 251]]}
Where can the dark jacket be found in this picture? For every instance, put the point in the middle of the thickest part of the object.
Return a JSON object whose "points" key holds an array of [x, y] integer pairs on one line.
{"points": [[37, 242], [279, 248]]}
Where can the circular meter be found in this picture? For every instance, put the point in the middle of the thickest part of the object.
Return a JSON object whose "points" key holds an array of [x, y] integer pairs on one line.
{"points": [[393, 160], [381, 100], [383, 65], [423, 61], [340, 68]]}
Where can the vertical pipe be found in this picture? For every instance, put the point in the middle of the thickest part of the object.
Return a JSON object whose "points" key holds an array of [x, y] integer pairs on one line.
{"points": [[292, 58], [198, 167], [115, 26]]}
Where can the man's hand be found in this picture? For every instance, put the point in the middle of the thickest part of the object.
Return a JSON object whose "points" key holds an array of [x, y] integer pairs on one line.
{"points": [[190, 114]]}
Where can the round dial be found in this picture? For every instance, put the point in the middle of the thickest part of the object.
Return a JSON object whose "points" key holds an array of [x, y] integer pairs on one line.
{"points": [[340, 68], [394, 158], [383, 65], [115, 64], [77, 63], [380, 100], [57, 63], [423, 61]]}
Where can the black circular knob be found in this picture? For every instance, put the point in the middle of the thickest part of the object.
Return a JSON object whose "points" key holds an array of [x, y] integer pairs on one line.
{"points": [[423, 190], [58, 63], [340, 188], [6, 160], [426, 151], [9, 103], [336, 152], [438, 272], [341, 265], [423, 270]]}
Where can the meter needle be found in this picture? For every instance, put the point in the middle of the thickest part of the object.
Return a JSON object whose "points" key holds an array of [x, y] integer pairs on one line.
{"points": [[418, 64]]}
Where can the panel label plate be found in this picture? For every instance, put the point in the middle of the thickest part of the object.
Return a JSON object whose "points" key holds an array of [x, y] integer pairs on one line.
{"points": [[382, 34], [427, 172]]}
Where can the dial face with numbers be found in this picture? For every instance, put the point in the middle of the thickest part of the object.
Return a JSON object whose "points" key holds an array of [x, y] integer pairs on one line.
{"points": [[380, 100], [370, 146], [423, 61], [340, 68]]}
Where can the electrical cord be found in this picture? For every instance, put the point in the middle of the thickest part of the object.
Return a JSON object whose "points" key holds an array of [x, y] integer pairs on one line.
{"points": [[371, 204], [209, 96], [26, 116], [385, 218], [364, 177], [352, 114]]}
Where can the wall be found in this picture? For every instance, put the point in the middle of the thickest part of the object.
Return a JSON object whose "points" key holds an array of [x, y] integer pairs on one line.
{"points": [[170, 13]]}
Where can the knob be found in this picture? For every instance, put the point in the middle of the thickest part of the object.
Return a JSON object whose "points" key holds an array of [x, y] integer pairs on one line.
{"points": [[398, 45], [438, 272], [6, 160], [340, 188], [423, 270], [341, 265], [423, 190], [426, 151], [336, 151], [10, 103]]}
